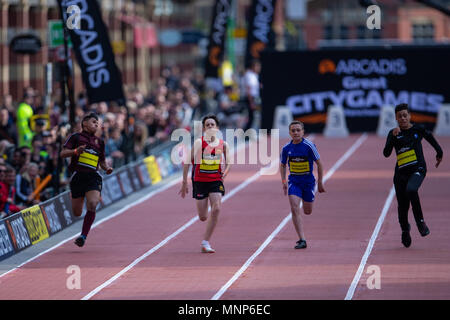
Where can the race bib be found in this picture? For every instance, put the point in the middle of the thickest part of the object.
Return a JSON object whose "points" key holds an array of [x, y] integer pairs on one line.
{"points": [[406, 158], [299, 165], [89, 160], [210, 165]]}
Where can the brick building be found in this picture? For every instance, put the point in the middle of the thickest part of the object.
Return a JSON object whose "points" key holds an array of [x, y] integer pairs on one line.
{"points": [[130, 24]]}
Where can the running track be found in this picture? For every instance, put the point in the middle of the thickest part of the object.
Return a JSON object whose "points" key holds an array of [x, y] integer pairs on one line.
{"points": [[152, 250]]}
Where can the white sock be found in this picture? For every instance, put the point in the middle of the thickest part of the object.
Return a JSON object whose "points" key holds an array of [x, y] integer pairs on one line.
{"points": [[205, 243]]}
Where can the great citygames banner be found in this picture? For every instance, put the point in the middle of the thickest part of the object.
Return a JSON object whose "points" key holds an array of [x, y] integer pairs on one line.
{"points": [[94, 52], [361, 80]]}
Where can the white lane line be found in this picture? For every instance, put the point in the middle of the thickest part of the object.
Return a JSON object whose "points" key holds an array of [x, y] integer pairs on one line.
{"points": [[333, 169], [387, 205], [173, 235]]}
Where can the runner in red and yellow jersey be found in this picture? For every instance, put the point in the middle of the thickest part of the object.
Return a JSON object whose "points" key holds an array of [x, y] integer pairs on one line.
{"points": [[210, 162]]}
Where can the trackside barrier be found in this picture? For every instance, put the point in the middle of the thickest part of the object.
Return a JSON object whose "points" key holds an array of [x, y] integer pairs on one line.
{"points": [[39, 222]]}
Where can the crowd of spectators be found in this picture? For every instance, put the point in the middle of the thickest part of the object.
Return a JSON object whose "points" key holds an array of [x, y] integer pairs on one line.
{"points": [[32, 133]]}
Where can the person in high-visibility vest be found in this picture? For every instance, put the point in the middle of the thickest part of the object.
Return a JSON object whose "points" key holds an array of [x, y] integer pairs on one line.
{"points": [[24, 113]]}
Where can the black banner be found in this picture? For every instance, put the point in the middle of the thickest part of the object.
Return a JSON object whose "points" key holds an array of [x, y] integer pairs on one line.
{"points": [[360, 80], [135, 178], [217, 37], [125, 182], [260, 35], [143, 175], [6, 245], [94, 52], [112, 183], [18, 232], [51, 217]]}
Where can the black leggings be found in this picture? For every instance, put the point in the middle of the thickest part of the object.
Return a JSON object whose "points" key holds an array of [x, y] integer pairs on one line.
{"points": [[406, 189]]}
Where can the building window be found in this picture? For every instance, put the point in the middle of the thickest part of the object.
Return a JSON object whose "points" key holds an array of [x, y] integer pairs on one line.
{"points": [[423, 31], [344, 32], [328, 32]]}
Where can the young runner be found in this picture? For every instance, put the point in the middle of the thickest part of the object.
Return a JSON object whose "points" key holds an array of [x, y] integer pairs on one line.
{"points": [[300, 154], [410, 168], [87, 152], [208, 175]]}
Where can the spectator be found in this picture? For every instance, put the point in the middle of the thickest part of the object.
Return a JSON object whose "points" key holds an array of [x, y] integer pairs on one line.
{"points": [[24, 113], [140, 138], [229, 110], [252, 85], [114, 146], [7, 127], [26, 184], [8, 192]]}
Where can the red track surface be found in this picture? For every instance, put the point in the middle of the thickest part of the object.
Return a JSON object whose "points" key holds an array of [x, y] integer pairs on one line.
{"points": [[338, 232]]}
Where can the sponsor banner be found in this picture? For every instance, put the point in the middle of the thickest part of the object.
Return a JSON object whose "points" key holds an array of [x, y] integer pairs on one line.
{"points": [[217, 38], [106, 199], [113, 185], [6, 245], [134, 177], [94, 53], [51, 217], [143, 174], [153, 169], [125, 182], [35, 224], [66, 215], [260, 35], [361, 81], [18, 232]]}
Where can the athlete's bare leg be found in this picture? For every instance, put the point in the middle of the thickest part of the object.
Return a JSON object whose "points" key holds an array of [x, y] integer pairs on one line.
{"points": [[215, 199], [77, 206], [296, 215]]}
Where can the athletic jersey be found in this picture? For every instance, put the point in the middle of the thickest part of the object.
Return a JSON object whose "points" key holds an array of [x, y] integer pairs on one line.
{"points": [[408, 147], [210, 168], [300, 157], [93, 154]]}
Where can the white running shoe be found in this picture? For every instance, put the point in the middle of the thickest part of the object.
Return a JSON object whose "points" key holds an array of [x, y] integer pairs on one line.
{"points": [[206, 247]]}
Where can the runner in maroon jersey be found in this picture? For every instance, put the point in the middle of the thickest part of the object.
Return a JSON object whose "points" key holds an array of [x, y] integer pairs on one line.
{"points": [[207, 176], [87, 152]]}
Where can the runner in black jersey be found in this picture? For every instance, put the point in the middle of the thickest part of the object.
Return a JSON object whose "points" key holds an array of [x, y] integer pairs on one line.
{"points": [[87, 152], [410, 168]]}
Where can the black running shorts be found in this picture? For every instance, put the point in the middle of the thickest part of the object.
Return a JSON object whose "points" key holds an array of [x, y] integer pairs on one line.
{"points": [[83, 182], [201, 190]]}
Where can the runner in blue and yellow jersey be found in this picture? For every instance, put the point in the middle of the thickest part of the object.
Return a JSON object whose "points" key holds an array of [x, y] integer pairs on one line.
{"points": [[300, 154]]}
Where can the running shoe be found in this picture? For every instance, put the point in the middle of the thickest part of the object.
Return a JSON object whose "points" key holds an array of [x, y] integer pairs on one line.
{"points": [[423, 229], [80, 241], [301, 244], [406, 239], [206, 248]]}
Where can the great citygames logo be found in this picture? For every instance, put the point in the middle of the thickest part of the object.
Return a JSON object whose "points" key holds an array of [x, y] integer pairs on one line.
{"points": [[327, 65]]}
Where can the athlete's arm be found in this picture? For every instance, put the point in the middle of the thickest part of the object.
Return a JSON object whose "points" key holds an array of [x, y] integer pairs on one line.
{"points": [[320, 176], [431, 140], [105, 167], [72, 152], [227, 160], [283, 177], [389, 145], [184, 185]]}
